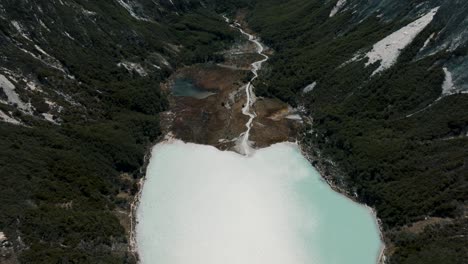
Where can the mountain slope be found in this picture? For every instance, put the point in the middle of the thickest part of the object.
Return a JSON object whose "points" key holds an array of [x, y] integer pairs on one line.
{"points": [[79, 100], [386, 90]]}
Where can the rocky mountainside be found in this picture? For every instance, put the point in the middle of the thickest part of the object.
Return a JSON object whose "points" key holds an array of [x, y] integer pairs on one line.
{"points": [[74, 45], [79, 100], [446, 30]]}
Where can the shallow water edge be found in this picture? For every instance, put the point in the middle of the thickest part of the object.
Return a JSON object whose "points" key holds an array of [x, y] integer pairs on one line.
{"points": [[333, 174]]}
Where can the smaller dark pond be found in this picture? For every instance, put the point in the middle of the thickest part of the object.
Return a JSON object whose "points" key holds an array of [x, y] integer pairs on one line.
{"points": [[186, 87]]}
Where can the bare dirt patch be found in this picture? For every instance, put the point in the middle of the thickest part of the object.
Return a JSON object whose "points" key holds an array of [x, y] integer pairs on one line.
{"points": [[218, 120]]}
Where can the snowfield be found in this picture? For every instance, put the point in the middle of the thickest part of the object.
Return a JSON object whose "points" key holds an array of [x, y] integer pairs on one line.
{"points": [[388, 49]]}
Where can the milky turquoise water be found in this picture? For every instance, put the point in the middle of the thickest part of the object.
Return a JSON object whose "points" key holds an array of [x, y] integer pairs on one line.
{"points": [[200, 205], [186, 87]]}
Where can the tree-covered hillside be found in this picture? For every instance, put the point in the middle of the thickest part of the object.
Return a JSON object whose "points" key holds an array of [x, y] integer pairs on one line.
{"points": [[399, 136], [79, 103]]}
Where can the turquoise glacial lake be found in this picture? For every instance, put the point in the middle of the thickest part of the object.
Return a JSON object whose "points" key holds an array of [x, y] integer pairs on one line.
{"points": [[200, 205]]}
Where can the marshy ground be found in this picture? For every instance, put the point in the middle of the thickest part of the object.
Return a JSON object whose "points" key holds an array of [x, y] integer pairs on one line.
{"points": [[217, 120]]}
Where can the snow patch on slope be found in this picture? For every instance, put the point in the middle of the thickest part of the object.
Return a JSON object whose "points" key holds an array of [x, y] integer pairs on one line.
{"points": [[87, 12], [69, 36], [48, 60], [6, 118], [132, 12], [163, 59], [68, 98], [295, 117], [388, 49], [426, 43], [309, 88], [20, 29], [44, 25], [49, 117], [448, 87], [132, 66], [338, 7], [455, 79], [13, 99]]}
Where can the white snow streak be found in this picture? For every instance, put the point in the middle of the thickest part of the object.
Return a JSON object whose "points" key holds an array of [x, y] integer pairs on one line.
{"points": [[44, 25], [388, 49], [448, 87], [426, 43], [20, 30], [132, 66], [47, 60], [87, 12], [339, 5], [6, 118], [68, 98], [69, 36], [49, 117], [295, 117], [163, 59], [12, 97], [309, 88], [130, 10]]}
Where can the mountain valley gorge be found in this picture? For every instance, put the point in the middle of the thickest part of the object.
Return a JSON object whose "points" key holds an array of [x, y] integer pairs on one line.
{"points": [[373, 92]]}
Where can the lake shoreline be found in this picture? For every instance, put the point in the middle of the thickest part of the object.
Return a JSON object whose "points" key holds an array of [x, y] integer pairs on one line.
{"points": [[133, 247], [329, 173], [289, 153], [322, 169]]}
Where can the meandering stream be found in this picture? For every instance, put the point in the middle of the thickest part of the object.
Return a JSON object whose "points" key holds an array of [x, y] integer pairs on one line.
{"points": [[244, 146]]}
